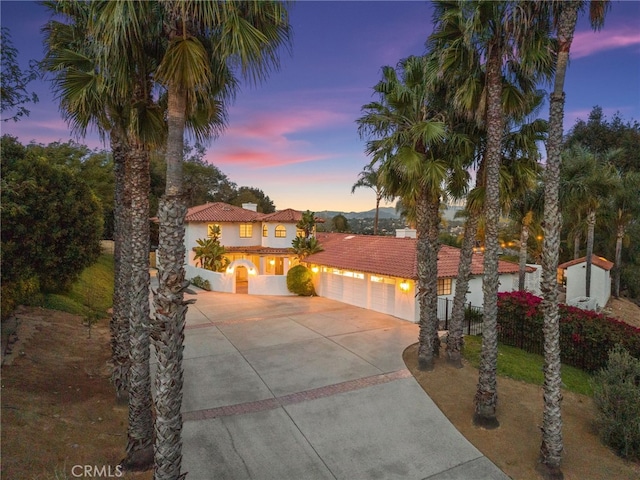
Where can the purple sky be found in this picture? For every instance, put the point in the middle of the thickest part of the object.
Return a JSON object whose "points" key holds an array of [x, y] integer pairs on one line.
{"points": [[295, 136]]}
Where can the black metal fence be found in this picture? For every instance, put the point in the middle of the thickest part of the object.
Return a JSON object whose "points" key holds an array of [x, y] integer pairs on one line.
{"points": [[472, 324]]}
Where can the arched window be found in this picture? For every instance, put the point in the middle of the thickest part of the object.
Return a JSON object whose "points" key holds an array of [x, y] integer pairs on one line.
{"points": [[281, 231], [265, 230]]}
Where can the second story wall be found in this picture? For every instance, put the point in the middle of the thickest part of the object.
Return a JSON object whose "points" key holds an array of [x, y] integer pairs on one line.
{"points": [[277, 234]]}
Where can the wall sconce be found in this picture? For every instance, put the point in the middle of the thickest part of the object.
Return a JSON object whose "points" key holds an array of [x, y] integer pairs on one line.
{"points": [[404, 286], [229, 270], [314, 269], [272, 262], [252, 271]]}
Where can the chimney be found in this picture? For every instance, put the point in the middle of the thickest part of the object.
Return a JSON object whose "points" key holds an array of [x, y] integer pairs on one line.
{"points": [[250, 206], [405, 233]]}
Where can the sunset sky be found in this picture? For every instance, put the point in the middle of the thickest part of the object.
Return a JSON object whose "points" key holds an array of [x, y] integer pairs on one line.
{"points": [[295, 136]]}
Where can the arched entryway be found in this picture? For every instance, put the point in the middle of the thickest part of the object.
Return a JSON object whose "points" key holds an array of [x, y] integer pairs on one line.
{"points": [[242, 270]]}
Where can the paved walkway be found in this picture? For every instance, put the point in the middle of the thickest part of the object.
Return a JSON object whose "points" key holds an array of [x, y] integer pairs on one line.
{"points": [[291, 388]]}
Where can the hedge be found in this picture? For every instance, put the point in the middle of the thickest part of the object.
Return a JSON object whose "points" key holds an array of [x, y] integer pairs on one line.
{"points": [[585, 336]]}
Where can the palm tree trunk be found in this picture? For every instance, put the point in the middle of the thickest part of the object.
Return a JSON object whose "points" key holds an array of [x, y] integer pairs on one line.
{"points": [[375, 219], [454, 339], [427, 216], [616, 274], [168, 331], [552, 444], [119, 324], [576, 246], [487, 396], [522, 268], [591, 225], [140, 431]]}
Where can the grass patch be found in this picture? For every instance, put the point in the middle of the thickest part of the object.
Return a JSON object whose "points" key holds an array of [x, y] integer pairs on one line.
{"points": [[90, 295], [520, 365]]}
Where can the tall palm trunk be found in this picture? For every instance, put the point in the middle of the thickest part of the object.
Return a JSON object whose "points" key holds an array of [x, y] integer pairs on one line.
{"points": [[576, 246], [119, 324], [487, 396], [168, 331], [454, 339], [552, 445], [427, 215], [140, 431], [524, 238], [616, 274], [375, 218], [591, 226]]}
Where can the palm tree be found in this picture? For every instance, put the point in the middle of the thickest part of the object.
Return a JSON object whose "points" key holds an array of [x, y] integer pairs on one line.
{"points": [[511, 43], [369, 177], [204, 39], [95, 88], [565, 15], [526, 211], [626, 207], [409, 138], [587, 181]]}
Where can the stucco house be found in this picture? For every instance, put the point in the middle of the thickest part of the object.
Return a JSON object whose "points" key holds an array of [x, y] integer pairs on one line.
{"points": [[258, 246], [380, 273], [573, 275], [374, 272]]}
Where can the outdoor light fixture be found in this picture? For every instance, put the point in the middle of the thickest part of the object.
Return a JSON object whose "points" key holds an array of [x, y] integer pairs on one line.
{"points": [[272, 262], [252, 271], [314, 269], [404, 286], [230, 270]]}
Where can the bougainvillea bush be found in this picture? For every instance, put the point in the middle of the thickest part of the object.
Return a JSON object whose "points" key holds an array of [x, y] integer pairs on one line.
{"points": [[585, 336]]}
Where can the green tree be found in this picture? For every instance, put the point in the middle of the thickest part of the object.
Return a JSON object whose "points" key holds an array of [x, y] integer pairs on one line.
{"points": [[210, 254], [565, 17], [252, 195], [51, 220], [408, 139], [511, 43], [305, 246], [107, 84], [339, 223], [369, 177], [587, 183], [14, 93], [204, 39]]}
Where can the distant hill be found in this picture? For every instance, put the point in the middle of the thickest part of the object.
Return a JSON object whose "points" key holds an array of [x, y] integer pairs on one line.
{"points": [[384, 212]]}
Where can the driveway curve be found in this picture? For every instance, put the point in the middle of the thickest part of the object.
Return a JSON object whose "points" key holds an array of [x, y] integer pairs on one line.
{"points": [[293, 388]]}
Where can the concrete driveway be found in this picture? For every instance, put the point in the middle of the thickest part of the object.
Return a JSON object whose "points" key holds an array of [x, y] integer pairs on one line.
{"points": [[292, 388]]}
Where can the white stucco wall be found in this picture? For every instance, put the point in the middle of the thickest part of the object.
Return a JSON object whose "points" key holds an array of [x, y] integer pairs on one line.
{"points": [[278, 242], [577, 282], [220, 282], [229, 234], [268, 285]]}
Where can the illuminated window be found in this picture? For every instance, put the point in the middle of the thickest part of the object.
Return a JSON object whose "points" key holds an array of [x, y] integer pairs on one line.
{"points": [[444, 286], [246, 230], [213, 229], [265, 230], [281, 231], [299, 232]]}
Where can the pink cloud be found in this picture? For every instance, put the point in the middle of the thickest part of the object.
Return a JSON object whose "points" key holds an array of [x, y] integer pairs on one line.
{"points": [[259, 158], [588, 42]]}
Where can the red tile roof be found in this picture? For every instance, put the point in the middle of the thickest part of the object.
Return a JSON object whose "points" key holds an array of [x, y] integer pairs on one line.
{"points": [[391, 256], [595, 260], [287, 215], [220, 212]]}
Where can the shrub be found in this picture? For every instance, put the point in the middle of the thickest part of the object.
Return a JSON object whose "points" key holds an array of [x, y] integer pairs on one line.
{"points": [[585, 336], [299, 281], [617, 396], [24, 291], [200, 282]]}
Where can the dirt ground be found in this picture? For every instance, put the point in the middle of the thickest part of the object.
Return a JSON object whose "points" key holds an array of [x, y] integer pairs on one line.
{"points": [[58, 406], [623, 309], [58, 409]]}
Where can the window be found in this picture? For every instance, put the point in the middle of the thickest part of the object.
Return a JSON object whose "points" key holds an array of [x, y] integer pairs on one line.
{"points": [[246, 230], [281, 231], [444, 286], [213, 229], [299, 232], [265, 230]]}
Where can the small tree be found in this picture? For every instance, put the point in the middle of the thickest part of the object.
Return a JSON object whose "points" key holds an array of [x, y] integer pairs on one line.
{"points": [[339, 223], [299, 281], [210, 254]]}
